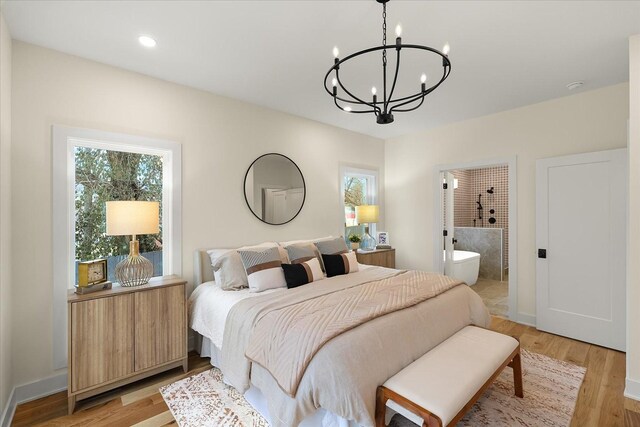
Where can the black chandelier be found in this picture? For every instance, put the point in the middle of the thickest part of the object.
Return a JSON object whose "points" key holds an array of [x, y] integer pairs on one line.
{"points": [[384, 108]]}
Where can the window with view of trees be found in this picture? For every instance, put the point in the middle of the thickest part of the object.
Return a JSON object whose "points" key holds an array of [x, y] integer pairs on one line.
{"points": [[359, 189], [102, 175]]}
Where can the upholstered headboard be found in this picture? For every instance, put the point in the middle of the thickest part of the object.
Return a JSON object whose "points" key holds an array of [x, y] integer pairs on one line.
{"points": [[202, 270]]}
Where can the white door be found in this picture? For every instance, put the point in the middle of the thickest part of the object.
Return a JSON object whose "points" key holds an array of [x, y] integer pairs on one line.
{"points": [[581, 241], [447, 188]]}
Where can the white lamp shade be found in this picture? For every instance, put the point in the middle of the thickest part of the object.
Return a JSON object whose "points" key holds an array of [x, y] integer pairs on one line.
{"points": [[367, 214], [132, 217]]}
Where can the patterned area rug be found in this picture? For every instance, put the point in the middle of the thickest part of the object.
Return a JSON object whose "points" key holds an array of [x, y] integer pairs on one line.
{"points": [[203, 400], [550, 392]]}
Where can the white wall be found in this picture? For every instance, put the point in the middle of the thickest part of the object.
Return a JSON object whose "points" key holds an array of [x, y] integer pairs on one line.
{"points": [[589, 121], [220, 138], [6, 383], [633, 252]]}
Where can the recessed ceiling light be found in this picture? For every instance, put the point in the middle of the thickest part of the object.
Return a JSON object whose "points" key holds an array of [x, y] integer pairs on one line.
{"points": [[575, 85], [147, 41]]}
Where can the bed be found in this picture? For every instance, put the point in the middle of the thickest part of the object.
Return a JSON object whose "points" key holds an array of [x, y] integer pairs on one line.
{"points": [[337, 382]]}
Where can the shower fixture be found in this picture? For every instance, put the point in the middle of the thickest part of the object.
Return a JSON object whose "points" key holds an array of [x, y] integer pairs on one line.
{"points": [[490, 191]]}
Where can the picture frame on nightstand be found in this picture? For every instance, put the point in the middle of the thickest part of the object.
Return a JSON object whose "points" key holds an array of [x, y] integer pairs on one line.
{"points": [[383, 240]]}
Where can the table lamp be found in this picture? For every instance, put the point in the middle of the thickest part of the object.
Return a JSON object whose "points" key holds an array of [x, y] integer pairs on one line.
{"points": [[367, 214], [133, 218]]}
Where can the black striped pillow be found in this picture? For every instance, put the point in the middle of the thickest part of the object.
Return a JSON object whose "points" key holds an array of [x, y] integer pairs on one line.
{"points": [[302, 273], [336, 265]]}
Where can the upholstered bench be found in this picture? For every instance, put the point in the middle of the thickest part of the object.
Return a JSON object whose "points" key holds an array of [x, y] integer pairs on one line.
{"points": [[440, 387]]}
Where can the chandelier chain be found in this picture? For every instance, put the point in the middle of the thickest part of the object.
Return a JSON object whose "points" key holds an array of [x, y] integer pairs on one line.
{"points": [[384, 33]]}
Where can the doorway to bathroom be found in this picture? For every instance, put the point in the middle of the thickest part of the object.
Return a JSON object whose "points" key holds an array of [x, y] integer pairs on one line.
{"points": [[476, 222]]}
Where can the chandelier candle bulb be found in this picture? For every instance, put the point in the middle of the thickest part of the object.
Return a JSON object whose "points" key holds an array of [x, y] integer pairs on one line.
{"points": [[398, 30], [446, 49], [347, 109]]}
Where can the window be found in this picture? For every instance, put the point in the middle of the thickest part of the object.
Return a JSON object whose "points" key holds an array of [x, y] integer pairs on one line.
{"points": [[102, 175], [359, 187], [89, 168]]}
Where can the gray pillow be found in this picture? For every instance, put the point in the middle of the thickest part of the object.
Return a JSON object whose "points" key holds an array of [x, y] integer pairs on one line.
{"points": [[333, 246], [301, 253]]}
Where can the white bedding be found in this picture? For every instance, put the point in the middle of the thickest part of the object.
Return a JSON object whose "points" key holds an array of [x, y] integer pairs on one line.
{"points": [[209, 306]]}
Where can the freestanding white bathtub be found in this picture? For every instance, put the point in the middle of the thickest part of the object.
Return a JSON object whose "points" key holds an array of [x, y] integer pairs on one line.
{"points": [[466, 266]]}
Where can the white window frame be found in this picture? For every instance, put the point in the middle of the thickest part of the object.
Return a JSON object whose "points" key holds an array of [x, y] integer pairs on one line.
{"points": [[65, 140], [372, 176]]}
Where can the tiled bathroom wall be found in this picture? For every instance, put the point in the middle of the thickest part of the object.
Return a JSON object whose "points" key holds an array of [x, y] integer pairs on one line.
{"points": [[472, 182]]}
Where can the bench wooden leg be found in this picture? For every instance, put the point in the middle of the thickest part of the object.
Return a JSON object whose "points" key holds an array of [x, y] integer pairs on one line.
{"points": [[516, 364], [431, 422], [381, 407]]}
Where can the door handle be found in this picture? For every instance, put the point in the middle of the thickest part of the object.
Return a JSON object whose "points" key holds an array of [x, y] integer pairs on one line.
{"points": [[454, 241], [542, 253]]}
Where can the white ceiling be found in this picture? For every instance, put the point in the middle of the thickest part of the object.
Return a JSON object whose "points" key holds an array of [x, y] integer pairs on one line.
{"points": [[504, 54]]}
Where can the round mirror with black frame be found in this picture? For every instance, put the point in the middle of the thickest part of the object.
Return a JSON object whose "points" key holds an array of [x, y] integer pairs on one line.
{"points": [[274, 189]]}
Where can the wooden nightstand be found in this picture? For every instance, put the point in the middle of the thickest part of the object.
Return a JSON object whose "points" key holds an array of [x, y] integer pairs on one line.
{"points": [[380, 257], [121, 335]]}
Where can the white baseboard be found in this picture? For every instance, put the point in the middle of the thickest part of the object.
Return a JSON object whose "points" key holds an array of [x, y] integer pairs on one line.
{"points": [[9, 410], [526, 319], [632, 389], [31, 391]]}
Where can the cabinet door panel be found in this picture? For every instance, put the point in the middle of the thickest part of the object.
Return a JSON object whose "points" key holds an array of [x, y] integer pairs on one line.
{"points": [[101, 340], [160, 326]]}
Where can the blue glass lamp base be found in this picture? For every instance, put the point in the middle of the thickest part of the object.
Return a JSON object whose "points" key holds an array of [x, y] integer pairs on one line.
{"points": [[368, 243]]}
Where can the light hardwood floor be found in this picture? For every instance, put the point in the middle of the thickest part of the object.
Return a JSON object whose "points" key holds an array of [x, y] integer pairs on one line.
{"points": [[600, 402]]}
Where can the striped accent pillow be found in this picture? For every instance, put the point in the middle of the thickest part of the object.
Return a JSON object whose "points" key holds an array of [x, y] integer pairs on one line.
{"points": [[302, 273], [332, 247], [336, 265], [264, 269]]}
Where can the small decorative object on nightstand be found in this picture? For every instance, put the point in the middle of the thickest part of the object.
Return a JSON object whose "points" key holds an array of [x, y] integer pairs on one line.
{"points": [[92, 276], [130, 218], [367, 214], [383, 240], [379, 257], [354, 239], [121, 335]]}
